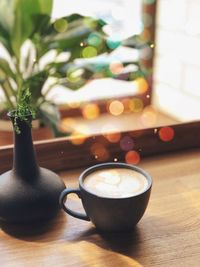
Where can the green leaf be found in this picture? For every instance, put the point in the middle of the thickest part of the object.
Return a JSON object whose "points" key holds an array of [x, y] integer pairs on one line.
{"points": [[7, 15], [35, 84], [24, 25], [45, 6], [5, 39], [77, 30], [5, 68]]}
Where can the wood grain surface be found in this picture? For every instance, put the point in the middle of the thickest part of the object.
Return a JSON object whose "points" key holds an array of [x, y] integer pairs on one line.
{"points": [[167, 235]]}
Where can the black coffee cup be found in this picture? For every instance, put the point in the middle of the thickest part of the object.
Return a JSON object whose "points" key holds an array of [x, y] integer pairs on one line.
{"points": [[106, 213]]}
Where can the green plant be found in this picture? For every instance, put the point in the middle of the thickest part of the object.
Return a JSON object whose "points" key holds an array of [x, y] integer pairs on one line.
{"points": [[28, 35]]}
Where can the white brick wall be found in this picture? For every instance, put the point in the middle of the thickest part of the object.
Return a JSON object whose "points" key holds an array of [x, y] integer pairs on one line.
{"points": [[177, 60]]}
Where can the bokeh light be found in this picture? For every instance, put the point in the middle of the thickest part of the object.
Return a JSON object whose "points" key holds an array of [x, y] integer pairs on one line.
{"points": [[99, 151], [111, 133], [113, 137], [113, 43], [89, 51], [141, 85], [78, 139], [126, 143], [136, 105], [132, 157], [115, 159], [79, 134], [149, 116], [66, 124], [94, 39], [116, 107], [166, 134], [125, 103], [116, 67], [90, 111], [61, 25]]}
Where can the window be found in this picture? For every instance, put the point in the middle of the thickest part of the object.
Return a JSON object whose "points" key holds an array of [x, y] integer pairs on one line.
{"points": [[177, 67], [124, 18]]}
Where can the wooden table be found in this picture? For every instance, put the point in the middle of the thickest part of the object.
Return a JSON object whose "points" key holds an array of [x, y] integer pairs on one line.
{"points": [[167, 235]]}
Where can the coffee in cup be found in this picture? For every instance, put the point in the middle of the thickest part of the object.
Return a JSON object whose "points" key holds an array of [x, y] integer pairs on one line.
{"points": [[115, 183], [114, 196]]}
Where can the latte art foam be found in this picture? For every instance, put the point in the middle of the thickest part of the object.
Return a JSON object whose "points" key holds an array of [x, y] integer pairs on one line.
{"points": [[116, 183]]}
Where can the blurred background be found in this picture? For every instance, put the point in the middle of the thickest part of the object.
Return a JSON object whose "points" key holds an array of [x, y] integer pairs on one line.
{"points": [[168, 93]]}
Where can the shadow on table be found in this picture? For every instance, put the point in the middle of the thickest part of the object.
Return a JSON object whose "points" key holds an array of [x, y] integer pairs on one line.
{"points": [[43, 231], [126, 243]]}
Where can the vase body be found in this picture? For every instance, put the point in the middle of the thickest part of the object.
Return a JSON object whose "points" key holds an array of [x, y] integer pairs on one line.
{"points": [[28, 193]]}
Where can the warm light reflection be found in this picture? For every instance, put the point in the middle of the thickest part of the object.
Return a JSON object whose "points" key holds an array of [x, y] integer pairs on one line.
{"points": [[111, 133], [166, 134], [132, 157], [149, 116], [99, 151], [136, 105], [66, 124], [78, 139], [113, 137], [125, 103], [116, 108], [116, 67], [90, 111], [141, 85], [155, 130]]}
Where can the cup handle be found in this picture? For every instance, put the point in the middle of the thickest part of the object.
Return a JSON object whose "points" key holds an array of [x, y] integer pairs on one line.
{"points": [[75, 214]]}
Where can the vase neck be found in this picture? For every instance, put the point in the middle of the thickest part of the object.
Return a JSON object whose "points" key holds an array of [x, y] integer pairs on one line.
{"points": [[24, 160]]}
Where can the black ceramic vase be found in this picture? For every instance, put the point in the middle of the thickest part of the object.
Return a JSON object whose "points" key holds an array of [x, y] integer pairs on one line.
{"points": [[28, 193]]}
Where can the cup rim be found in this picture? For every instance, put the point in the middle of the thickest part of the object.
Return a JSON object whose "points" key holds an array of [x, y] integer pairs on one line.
{"points": [[109, 165]]}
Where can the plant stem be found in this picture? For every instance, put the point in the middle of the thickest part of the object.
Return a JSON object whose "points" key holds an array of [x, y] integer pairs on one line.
{"points": [[19, 80]]}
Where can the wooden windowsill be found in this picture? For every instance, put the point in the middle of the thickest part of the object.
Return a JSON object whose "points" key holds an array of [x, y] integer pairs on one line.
{"points": [[167, 235], [77, 151], [125, 122]]}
